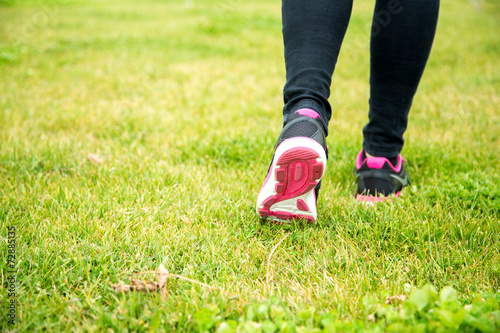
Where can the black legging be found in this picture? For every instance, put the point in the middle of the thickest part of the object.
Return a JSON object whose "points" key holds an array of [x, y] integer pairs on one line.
{"points": [[401, 39]]}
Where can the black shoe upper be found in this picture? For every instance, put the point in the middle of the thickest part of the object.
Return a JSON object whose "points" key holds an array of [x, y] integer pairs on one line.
{"points": [[303, 126]]}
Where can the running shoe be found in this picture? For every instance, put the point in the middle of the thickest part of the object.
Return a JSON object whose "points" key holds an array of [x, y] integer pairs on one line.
{"points": [[378, 179], [293, 180]]}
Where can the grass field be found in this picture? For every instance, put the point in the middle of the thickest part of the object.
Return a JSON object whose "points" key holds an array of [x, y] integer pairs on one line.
{"points": [[139, 133]]}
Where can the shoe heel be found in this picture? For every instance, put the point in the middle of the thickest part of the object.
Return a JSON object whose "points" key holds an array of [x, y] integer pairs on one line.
{"points": [[288, 193]]}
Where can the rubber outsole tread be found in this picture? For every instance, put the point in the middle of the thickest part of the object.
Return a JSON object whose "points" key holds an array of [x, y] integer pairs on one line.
{"points": [[297, 172]]}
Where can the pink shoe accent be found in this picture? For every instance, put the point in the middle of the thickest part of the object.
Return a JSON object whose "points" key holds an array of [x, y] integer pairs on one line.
{"points": [[378, 162], [302, 205], [297, 173], [280, 175], [308, 113], [269, 201]]}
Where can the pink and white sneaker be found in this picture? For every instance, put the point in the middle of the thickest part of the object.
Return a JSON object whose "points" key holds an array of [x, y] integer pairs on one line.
{"points": [[293, 181]]}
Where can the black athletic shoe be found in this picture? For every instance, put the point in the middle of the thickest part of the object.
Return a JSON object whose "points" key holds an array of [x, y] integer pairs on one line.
{"points": [[293, 180], [378, 179]]}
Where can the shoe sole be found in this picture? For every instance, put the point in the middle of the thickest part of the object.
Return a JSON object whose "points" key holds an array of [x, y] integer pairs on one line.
{"points": [[288, 191]]}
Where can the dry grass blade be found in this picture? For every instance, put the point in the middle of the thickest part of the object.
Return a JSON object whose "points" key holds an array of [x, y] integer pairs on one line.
{"points": [[144, 286], [167, 275], [270, 256], [392, 299], [121, 287], [96, 159], [162, 280]]}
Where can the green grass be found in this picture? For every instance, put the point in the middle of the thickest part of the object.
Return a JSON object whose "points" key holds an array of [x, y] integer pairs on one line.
{"points": [[182, 101]]}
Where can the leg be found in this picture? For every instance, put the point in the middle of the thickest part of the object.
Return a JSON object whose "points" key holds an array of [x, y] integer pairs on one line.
{"points": [[402, 36], [313, 31]]}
